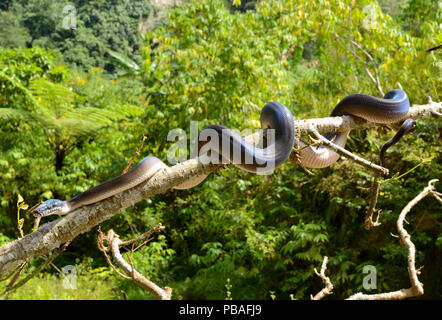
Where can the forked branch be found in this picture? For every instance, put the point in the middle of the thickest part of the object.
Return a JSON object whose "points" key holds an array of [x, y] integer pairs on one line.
{"points": [[328, 289], [417, 288], [114, 244]]}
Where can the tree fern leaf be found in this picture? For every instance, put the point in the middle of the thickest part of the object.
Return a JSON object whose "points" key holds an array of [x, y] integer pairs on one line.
{"points": [[16, 114], [10, 114]]}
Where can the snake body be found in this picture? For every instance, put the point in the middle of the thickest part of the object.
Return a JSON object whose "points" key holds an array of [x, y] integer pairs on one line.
{"points": [[392, 108], [389, 109]]}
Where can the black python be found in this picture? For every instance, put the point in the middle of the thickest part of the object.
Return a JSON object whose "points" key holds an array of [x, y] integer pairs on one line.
{"points": [[392, 108]]}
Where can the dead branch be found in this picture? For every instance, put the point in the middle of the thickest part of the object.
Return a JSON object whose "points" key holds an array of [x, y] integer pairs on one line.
{"points": [[417, 288], [132, 274], [295, 158], [11, 287], [369, 223], [157, 229], [328, 289]]}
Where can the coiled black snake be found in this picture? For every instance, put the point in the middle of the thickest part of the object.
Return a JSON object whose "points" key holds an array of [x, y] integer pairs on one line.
{"points": [[389, 109]]}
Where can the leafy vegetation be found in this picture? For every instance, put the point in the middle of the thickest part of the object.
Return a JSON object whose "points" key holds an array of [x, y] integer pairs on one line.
{"points": [[83, 31], [74, 105]]}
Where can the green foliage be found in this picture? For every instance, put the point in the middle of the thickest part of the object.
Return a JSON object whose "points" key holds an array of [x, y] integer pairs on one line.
{"points": [[12, 35], [261, 236], [421, 16], [100, 26], [45, 124], [4, 239], [18, 67], [91, 284], [270, 233]]}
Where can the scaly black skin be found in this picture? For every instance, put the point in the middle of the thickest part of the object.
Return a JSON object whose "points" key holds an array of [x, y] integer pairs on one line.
{"points": [[407, 127]]}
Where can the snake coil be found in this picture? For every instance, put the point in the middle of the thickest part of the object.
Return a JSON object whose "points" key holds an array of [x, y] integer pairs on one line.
{"points": [[392, 108]]}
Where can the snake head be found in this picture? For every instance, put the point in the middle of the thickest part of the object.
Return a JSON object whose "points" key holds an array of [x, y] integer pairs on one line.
{"points": [[409, 126], [51, 206]]}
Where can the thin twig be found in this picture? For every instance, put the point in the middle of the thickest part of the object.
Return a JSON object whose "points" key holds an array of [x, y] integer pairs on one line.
{"points": [[369, 223], [294, 157], [157, 229], [9, 275], [15, 277], [328, 289], [368, 164], [134, 156], [374, 78], [38, 270]]}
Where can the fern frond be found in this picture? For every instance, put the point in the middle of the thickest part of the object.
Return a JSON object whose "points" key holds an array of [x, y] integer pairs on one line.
{"points": [[50, 90], [55, 99], [17, 114], [126, 110], [12, 114], [76, 127], [105, 116], [54, 109]]}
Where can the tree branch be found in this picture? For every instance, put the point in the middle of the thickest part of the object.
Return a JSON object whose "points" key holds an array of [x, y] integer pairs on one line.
{"points": [[328, 289], [51, 235], [417, 288], [369, 223], [115, 244], [370, 165]]}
